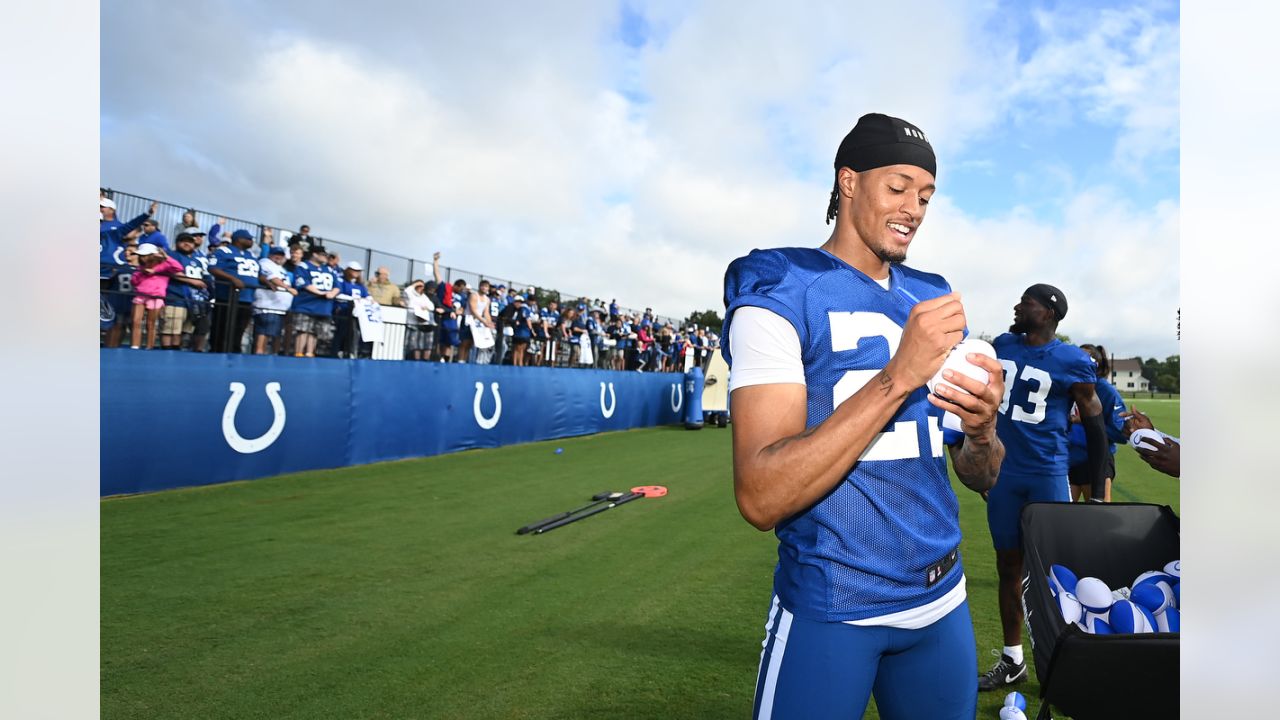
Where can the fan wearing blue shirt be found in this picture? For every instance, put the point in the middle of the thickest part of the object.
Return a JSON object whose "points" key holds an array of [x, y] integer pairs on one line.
{"points": [[345, 328], [1113, 416], [838, 448], [1043, 376], [313, 305], [177, 300], [237, 274]]}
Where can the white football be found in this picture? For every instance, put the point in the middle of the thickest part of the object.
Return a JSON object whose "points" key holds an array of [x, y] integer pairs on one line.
{"points": [[956, 361], [1071, 609], [1144, 438], [1011, 712], [1093, 594]]}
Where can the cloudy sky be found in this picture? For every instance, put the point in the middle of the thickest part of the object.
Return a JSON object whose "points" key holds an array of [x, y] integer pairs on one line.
{"points": [[633, 149]]}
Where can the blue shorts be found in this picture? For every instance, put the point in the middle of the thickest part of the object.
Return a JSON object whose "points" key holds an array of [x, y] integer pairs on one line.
{"points": [[122, 303], [449, 337], [1005, 501], [812, 669], [269, 324]]}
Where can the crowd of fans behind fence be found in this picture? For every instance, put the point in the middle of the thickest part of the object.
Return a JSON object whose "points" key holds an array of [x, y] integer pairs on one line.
{"points": [[210, 292]]}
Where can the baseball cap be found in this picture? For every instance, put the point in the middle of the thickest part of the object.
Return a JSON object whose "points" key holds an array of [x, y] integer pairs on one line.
{"points": [[878, 140], [353, 265], [147, 249], [192, 230], [242, 234], [319, 249], [276, 250], [518, 298], [107, 203], [1050, 297]]}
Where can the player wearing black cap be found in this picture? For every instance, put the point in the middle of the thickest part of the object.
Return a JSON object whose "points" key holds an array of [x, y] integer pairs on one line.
{"points": [[1044, 376], [838, 448]]}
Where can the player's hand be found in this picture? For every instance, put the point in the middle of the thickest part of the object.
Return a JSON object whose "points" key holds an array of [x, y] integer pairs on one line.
{"points": [[1135, 419], [238, 283], [152, 210], [978, 406], [1167, 457], [933, 328]]}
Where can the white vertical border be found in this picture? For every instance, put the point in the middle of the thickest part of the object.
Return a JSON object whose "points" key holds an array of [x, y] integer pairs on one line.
{"points": [[49, 460], [1230, 239]]}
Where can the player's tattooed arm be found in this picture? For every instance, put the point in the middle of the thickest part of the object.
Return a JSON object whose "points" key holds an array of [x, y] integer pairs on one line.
{"points": [[977, 459]]}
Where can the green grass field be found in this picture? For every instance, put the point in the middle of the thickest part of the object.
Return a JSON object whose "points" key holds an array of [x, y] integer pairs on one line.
{"points": [[400, 590]]}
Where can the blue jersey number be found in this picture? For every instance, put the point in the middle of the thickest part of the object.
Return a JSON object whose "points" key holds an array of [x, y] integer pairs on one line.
{"points": [[848, 329], [1035, 397]]}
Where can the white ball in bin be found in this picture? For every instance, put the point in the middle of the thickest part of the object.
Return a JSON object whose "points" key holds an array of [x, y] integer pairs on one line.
{"points": [[1094, 624], [1174, 568], [1169, 621], [1061, 578], [1093, 594], [1127, 618], [1015, 699], [1012, 713], [1161, 581], [1070, 607]]}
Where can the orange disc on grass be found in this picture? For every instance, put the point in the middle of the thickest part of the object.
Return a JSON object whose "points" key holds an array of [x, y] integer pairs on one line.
{"points": [[650, 490]]}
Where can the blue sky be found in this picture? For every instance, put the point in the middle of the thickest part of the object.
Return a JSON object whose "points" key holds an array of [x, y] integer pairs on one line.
{"points": [[632, 150]]}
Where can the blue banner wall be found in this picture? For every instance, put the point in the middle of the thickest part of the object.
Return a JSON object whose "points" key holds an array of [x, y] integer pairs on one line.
{"points": [[179, 419]]}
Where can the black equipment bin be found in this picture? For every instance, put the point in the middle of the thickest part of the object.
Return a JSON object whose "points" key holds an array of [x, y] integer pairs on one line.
{"points": [[1095, 677]]}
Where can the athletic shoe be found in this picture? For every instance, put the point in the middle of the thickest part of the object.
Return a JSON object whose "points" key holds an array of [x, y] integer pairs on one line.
{"points": [[1005, 672]]}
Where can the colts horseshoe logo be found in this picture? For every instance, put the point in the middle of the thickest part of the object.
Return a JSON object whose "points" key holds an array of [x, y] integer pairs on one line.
{"points": [[613, 401], [262, 442], [677, 396], [484, 422]]}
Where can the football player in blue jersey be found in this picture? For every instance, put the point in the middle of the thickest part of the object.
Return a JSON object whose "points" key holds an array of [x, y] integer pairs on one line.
{"points": [[1113, 415], [838, 448], [1043, 376]]}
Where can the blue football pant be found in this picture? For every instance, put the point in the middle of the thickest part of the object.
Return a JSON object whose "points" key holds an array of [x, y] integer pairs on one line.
{"points": [[1005, 501], [813, 669]]}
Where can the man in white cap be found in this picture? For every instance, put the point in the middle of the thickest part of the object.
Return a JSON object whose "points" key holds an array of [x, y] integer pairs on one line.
{"points": [[350, 288]]}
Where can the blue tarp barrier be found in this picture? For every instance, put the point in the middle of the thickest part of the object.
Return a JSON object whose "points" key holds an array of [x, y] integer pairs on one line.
{"points": [[180, 419]]}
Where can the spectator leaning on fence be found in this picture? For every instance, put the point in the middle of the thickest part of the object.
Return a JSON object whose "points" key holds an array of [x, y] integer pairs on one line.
{"points": [[347, 332], [420, 334], [150, 284], [313, 306], [383, 291], [271, 302], [521, 330], [176, 299], [238, 274]]}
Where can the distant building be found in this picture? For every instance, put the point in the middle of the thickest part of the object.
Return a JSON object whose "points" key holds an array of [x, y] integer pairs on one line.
{"points": [[1126, 374]]}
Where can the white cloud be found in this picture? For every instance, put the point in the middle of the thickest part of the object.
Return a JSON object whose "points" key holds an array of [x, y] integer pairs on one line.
{"points": [[497, 135]]}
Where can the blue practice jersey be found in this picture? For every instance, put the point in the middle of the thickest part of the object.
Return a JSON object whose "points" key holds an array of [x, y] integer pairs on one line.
{"points": [[179, 293], [318, 276], [865, 549], [352, 288], [1112, 408], [240, 263], [1033, 418]]}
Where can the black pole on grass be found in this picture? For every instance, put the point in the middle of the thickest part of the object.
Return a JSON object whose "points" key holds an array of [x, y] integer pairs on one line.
{"points": [[561, 523], [596, 500]]}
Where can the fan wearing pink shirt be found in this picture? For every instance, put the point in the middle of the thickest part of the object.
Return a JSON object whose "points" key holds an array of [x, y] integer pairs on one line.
{"points": [[150, 283]]}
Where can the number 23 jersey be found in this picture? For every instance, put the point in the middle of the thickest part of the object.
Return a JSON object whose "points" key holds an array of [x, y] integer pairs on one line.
{"points": [[865, 549], [1033, 419]]}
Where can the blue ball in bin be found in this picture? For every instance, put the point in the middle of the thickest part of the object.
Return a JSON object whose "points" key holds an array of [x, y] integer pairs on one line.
{"points": [[1016, 699]]}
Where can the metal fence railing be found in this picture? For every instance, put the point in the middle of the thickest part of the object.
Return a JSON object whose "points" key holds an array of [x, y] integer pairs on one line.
{"points": [[402, 269]]}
